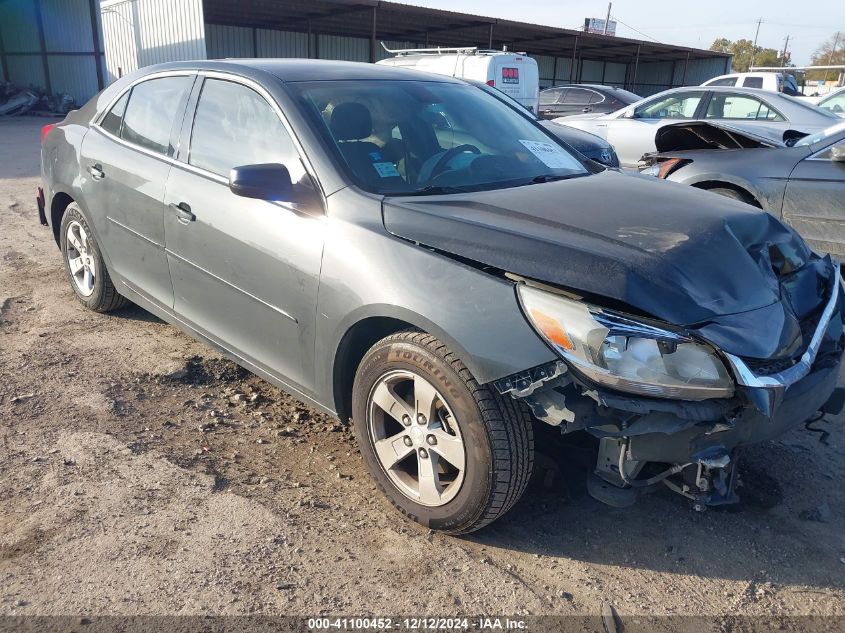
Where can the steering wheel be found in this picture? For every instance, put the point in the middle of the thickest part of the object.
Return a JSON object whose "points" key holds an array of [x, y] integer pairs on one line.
{"points": [[443, 161]]}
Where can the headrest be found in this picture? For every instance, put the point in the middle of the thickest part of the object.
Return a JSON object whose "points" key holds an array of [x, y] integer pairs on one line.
{"points": [[351, 122]]}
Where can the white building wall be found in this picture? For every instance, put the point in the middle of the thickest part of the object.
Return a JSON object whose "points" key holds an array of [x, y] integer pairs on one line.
{"points": [[139, 33]]}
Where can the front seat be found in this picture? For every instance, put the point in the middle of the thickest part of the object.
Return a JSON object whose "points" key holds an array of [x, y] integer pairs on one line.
{"points": [[351, 122]]}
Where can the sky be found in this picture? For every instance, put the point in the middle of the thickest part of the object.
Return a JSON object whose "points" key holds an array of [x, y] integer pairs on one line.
{"points": [[695, 24]]}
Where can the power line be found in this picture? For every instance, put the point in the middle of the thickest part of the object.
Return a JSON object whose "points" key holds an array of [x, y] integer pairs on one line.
{"points": [[635, 30]]}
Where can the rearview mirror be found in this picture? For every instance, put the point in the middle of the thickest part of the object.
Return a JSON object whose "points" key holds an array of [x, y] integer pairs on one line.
{"points": [[269, 181], [837, 153]]}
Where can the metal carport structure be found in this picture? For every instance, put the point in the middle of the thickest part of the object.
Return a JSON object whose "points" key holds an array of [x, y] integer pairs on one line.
{"points": [[564, 55], [77, 46]]}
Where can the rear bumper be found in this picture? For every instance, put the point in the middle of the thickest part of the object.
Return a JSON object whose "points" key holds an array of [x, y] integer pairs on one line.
{"points": [[39, 200]]}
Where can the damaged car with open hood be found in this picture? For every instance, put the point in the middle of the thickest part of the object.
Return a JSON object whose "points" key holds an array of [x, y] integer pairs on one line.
{"points": [[408, 252], [797, 177]]}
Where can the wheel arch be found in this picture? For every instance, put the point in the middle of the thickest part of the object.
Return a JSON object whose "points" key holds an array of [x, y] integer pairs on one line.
{"points": [[749, 196], [365, 330], [58, 205]]}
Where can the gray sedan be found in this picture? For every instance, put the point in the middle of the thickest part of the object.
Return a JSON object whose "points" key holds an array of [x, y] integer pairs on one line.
{"points": [[631, 130], [406, 251], [803, 184]]}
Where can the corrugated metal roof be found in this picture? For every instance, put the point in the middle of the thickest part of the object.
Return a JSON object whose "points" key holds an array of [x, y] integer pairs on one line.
{"points": [[353, 18]]}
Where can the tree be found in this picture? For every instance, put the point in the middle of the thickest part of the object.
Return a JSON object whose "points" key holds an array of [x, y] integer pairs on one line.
{"points": [[744, 52], [830, 53]]}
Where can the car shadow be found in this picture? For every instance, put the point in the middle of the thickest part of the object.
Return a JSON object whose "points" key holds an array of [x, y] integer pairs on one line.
{"points": [[133, 312], [786, 529]]}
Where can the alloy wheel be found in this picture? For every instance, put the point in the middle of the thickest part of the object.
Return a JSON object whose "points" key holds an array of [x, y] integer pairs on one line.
{"points": [[80, 259], [416, 438]]}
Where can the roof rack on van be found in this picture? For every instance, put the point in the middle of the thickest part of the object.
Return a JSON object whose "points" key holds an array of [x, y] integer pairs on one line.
{"points": [[435, 51], [438, 50]]}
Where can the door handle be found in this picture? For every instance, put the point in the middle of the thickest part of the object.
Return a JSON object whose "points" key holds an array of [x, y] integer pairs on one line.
{"points": [[183, 212], [96, 171], [587, 109]]}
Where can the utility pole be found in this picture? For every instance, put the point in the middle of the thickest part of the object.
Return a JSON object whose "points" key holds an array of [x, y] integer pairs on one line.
{"points": [[754, 46], [607, 20], [832, 52], [785, 48]]}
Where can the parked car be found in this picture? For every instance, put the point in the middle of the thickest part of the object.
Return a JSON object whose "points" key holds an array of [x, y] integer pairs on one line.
{"points": [[804, 185], [580, 98], [589, 145], [515, 74], [444, 286], [833, 102], [631, 130], [772, 81]]}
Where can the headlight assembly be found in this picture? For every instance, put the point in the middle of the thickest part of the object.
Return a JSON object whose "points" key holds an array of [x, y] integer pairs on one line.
{"points": [[626, 354]]}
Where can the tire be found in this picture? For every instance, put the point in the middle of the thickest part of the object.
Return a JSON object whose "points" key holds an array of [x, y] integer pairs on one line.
{"points": [[495, 432], [84, 264], [733, 193]]}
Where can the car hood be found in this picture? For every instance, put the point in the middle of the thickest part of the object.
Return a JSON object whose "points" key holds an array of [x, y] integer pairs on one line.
{"points": [[583, 141], [715, 135], [562, 120], [681, 255]]}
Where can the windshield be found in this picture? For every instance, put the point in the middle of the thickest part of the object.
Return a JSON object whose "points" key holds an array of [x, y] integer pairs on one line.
{"points": [[419, 137], [822, 136]]}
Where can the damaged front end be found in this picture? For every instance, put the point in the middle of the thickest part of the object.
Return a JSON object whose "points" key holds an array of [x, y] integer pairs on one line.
{"points": [[672, 405]]}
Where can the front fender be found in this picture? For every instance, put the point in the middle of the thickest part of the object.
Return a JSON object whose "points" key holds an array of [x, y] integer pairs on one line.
{"points": [[768, 192], [369, 273]]}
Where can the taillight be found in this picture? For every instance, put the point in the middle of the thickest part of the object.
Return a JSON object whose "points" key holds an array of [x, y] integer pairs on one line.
{"points": [[491, 83], [45, 130]]}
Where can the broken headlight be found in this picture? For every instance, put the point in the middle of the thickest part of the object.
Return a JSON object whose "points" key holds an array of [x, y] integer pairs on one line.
{"points": [[626, 354]]}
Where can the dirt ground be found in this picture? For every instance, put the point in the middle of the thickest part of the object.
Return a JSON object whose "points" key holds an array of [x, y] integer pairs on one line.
{"points": [[141, 473]]}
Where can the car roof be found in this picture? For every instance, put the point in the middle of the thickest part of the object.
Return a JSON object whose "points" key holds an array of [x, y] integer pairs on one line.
{"points": [[596, 86], [290, 70]]}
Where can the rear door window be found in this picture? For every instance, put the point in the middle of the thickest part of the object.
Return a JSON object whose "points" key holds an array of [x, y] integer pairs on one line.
{"points": [[235, 126], [734, 106], [154, 107], [548, 97], [753, 82], [578, 96]]}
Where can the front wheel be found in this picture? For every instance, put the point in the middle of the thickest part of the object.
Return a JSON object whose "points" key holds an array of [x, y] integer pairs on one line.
{"points": [[449, 453]]}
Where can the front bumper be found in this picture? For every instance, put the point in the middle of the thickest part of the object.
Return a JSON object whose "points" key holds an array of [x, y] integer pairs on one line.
{"points": [[704, 432]]}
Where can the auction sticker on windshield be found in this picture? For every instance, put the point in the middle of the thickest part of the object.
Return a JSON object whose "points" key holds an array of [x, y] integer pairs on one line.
{"points": [[550, 155]]}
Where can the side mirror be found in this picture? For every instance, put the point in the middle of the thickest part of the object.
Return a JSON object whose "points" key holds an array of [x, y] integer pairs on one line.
{"points": [[270, 181], [630, 114], [837, 153]]}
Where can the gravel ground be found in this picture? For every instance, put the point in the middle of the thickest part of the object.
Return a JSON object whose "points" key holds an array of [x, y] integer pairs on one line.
{"points": [[141, 473]]}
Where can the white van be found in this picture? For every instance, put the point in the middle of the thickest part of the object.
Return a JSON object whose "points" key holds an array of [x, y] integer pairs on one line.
{"points": [[515, 74], [772, 81]]}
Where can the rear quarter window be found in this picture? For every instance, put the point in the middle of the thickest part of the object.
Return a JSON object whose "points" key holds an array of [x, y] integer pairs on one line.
{"points": [[753, 82], [114, 117]]}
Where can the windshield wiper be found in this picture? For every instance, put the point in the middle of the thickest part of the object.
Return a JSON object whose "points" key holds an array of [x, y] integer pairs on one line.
{"points": [[434, 190], [550, 178]]}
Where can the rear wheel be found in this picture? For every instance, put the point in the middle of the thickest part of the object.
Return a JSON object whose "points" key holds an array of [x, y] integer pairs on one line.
{"points": [[84, 264], [449, 453]]}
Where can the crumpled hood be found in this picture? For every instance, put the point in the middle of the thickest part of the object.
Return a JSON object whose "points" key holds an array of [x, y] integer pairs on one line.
{"points": [[685, 256], [715, 135]]}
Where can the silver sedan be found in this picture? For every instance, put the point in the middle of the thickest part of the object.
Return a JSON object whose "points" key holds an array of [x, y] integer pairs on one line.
{"points": [[631, 130]]}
